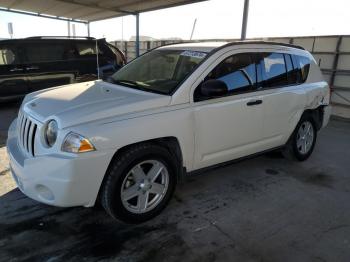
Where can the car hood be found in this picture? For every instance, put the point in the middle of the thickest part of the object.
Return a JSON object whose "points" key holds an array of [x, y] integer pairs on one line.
{"points": [[84, 102]]}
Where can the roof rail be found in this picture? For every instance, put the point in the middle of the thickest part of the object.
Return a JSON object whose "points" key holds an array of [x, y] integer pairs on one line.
{"points": [[240, 42], [61, 37], [262, 42]]}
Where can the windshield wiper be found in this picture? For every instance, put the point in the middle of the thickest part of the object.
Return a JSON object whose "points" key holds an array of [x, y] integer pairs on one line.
{"points": [[132, 84], [135, 85], [127, 82]]}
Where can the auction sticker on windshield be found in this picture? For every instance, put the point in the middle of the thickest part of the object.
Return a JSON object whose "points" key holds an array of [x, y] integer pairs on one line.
{"points": [[193, 54]]}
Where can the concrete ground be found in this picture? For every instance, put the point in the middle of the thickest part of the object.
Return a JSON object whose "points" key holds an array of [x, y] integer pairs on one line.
{"points": [[262, 209]]}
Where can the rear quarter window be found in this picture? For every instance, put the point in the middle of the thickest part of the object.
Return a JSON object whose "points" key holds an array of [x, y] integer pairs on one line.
{"points": [[7, 55], [87, 49], [302, 64]]}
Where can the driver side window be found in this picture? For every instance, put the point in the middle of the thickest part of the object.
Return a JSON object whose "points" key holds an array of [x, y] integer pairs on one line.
{"points": [[238, 72]]}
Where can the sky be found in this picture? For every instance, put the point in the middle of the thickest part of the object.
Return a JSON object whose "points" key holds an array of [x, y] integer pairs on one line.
{"points": [[216, 19]]}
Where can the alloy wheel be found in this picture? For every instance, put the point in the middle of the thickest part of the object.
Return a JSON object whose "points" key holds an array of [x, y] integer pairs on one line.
{"points": [[144, 186], [305, 137]]}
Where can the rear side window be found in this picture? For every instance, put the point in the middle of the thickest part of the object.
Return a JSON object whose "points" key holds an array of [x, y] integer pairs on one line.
{"points": [[292, 71], [273, 68], [237, 71], [44, 52]]}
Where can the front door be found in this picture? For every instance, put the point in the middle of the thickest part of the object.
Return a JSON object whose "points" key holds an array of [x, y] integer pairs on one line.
{"points": [[229, 127]]}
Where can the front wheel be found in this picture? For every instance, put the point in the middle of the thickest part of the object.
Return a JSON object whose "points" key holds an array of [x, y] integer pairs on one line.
{"points": [[139, 183], [302, 142]]}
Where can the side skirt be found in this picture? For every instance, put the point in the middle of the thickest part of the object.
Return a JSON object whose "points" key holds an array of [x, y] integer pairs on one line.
{"points": [[230, 162]]}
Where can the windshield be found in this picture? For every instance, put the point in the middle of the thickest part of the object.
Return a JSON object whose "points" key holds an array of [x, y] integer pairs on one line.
{"points": [[159, 71]]}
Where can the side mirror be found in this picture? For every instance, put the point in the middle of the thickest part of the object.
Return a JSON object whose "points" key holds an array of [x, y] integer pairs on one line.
{"points": [[214, 88]]}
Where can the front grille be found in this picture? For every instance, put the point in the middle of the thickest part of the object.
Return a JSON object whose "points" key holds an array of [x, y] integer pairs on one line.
{"points": [[26, 134]]}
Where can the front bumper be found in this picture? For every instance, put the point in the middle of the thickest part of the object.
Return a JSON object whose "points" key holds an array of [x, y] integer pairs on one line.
{"points": [[57, 179]]}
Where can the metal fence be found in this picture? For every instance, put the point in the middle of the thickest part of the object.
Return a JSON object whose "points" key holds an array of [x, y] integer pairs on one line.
{"points": [[332, 53]]}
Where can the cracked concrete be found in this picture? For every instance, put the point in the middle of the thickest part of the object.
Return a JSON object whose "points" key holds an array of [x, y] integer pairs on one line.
{"points": [[262, 209]]}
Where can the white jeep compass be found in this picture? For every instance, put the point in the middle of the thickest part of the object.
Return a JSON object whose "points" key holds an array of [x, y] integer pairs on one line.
{"points": [[173, 110]]}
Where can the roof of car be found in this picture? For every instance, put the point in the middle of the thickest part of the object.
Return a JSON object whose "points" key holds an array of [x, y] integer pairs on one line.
{"points": [[209, 46], [48, 38]]}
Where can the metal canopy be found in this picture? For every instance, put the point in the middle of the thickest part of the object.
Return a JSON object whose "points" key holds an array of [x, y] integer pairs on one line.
{"points": [[87, 10]]}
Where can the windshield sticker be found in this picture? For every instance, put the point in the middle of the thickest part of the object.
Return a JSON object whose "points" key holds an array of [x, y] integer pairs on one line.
{"points": [[194, 54]]}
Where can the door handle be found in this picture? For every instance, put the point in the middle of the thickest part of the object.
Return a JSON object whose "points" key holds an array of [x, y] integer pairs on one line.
{"points": [[254, 102], [16, 69], [32, 68]]}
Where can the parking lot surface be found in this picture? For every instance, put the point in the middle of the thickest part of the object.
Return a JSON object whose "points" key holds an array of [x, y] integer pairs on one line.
{"points": [[262, 209]]}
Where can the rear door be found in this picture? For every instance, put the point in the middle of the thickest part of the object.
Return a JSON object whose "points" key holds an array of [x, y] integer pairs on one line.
{"points": [[283, 97], [13, 81], [46, 63]]}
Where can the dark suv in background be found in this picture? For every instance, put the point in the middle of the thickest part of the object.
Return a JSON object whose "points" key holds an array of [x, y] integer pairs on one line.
{"points": [[34, 63]]}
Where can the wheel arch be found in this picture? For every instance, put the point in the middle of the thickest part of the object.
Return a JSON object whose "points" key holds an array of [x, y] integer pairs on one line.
{"points": [[171, 143], [316, 115]]}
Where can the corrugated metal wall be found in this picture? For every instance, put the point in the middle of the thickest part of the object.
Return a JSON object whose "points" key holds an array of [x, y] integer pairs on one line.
{"points": [[332, 53]]}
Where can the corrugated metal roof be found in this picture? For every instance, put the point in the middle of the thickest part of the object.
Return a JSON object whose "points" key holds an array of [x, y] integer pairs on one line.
{"points": [[90, 10]]}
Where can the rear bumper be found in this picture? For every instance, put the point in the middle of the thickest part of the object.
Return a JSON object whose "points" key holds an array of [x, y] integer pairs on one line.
{"points": [[327, 111], [58, 179]]}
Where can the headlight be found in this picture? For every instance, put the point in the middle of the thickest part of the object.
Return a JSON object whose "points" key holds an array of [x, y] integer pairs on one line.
{"points": [[51, 133], [74, 143]]}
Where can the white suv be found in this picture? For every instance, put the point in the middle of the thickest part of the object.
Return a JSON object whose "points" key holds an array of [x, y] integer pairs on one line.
{"points": [[173, 110]]}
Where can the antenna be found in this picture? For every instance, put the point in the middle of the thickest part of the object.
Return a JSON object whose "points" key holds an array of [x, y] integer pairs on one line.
{"points": [[97, 62], [10, 29], [194, 27]]}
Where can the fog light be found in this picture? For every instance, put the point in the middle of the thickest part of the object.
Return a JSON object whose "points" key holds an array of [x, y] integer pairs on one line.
{"points": [[44, 192]]}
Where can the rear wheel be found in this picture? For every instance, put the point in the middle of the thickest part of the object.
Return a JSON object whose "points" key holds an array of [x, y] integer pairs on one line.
{"points": [[139, 183], [303, 140]]}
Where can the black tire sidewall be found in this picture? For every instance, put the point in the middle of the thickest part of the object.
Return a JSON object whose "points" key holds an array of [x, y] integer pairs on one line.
{"points": [[118, 172], [299, 156]]}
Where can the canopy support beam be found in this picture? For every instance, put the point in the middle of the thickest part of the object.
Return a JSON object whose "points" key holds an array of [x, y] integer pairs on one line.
{"points": [[137, 43], [245, 20], [41, 15], [68, 28]]}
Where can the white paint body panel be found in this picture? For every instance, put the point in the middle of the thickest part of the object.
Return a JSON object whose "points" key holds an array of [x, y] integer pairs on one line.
{"points": [[112, 117], [226, 129]]}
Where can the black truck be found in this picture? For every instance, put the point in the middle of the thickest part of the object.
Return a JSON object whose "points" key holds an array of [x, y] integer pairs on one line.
{"points": [[35, 63]]}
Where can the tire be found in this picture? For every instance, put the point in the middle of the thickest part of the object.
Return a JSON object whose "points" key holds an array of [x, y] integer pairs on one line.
{"points": [[296, 148], [131, 175]]}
